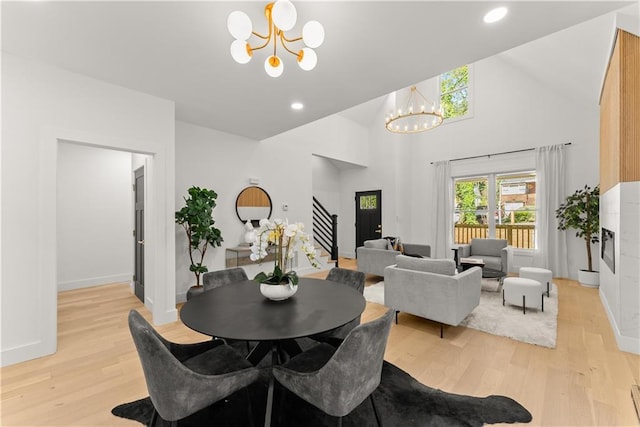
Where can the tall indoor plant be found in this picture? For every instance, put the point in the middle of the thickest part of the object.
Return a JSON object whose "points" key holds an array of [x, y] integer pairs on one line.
{"points": [[581, 211], [197, 221]]}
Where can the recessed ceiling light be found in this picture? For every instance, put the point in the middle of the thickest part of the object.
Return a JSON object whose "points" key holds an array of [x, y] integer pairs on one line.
{"points": [[297, 106], [494, 15]]}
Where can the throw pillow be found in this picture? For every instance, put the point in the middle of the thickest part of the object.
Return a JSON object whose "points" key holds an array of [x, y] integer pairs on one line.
{"points": [[438, 266]]}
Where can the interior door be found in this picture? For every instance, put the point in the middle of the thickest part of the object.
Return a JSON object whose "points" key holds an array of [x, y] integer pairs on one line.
{"points": [[138, 233], [368, 216]]}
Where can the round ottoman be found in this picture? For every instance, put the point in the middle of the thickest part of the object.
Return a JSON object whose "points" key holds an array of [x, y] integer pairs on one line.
{"points": [[542, 275], [524, 292]]}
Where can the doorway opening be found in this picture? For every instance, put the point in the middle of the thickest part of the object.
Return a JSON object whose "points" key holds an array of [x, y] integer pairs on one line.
{"points": [[96, 208]]}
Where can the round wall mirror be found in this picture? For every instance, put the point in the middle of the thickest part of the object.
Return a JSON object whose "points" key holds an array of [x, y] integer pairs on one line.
{"points": [[253, 204]]}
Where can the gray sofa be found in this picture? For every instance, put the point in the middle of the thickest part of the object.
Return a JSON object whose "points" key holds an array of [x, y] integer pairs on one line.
{"points": [[493, 252], [430, 288], [375, 255]]}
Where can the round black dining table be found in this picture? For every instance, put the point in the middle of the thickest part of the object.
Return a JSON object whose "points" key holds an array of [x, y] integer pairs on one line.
{"points": [[239, 311]]}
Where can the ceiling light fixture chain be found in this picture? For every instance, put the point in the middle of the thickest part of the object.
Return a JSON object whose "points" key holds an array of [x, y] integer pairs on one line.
{"points": [[418, 115], [281, 17]]}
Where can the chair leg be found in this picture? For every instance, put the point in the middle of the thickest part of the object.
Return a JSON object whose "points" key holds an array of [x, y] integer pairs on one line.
{"points": [[250, 409], [543, 302], [174, 423], [375, 411], [397, 311], [339, 421], [524, 310], [548, 286], [441, 331], [154, 418]]}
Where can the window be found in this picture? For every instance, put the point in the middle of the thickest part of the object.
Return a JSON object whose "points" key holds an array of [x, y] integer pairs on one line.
{"points": [[454, 92], [369, 202], [499, 206]]}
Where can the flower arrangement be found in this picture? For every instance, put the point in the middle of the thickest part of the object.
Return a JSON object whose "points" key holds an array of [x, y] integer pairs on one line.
{"points": [[283, 238]]}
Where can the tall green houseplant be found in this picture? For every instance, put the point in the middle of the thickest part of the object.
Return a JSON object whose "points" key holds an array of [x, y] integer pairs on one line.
{"points": [[197, 220], [581, 211]]}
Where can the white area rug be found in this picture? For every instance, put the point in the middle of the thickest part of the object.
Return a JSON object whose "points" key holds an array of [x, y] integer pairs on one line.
{"points": [[535, 327]]}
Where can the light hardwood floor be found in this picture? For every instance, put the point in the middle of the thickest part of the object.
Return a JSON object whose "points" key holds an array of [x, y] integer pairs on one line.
{"points": [[585, 381]]}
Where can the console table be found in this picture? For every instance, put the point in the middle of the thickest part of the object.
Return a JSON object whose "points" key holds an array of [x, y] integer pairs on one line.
{"points": [[239, 256]]}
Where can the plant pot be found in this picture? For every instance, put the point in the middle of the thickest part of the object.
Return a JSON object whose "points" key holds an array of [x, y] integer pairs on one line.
{"points": [[278, 292], [590, 279], [194, 291]]}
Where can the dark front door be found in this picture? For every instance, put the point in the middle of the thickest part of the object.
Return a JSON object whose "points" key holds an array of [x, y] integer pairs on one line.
{"points": [[138, 278], [368, 216]]}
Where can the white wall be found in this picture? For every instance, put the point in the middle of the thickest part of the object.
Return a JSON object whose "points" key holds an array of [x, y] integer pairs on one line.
{"points": [[94, 224], [326, 183], [42, 106], [620, 213], [284, 164], [511, 111]]}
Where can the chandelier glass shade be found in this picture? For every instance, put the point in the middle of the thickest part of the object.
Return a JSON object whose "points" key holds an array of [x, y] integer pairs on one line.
{"points": [[417, 115], [281, 17]]}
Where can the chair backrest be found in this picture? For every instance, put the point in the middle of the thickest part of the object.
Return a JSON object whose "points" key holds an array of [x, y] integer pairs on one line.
{"points": [[214, 279], [162, 371], [175, 389], [490, 247], [352, 278], [354, 371]]}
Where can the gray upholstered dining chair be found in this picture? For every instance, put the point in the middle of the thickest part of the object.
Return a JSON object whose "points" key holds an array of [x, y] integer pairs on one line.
{"points": [[185, 378], [213, 279], [355, 280], [338, 380]]}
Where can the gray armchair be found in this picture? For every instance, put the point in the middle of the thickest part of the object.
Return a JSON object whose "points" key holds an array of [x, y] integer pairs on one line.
{"points": [[185, 378], [338, 380], [375, 255], [430, 288], [493, 252]]}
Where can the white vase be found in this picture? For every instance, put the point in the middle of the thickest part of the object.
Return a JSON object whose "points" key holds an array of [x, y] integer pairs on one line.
{"points": [[590, 279], [278, 292]]}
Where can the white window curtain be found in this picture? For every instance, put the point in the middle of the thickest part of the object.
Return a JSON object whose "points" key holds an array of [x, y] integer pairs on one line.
{"points": [[442, 211], [551, 244]]}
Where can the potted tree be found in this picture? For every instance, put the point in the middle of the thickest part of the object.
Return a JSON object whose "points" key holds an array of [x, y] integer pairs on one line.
{"points": [[196, 219], [581, 211]]}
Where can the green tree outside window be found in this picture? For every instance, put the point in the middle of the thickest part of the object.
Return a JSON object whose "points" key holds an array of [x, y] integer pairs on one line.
{"points": [[454, 92]]}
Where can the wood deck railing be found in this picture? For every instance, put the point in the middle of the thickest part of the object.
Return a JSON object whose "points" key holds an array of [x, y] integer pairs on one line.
{"points": [[518, 235]]}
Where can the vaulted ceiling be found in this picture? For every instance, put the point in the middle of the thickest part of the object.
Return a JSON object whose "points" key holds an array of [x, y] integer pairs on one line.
{"points": [[180, 50]]}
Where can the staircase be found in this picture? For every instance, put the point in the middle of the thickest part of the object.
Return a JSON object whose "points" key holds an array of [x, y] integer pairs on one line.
{"points": [[325, 235]]}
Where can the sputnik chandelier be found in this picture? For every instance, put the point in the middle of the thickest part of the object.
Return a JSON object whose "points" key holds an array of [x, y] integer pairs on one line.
{"points": [[417, 115], [281, 17]]}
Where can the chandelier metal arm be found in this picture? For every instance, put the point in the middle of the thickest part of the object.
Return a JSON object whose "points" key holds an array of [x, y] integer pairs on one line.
{"points": [[266, 43], [283, 40], [296, 39]]}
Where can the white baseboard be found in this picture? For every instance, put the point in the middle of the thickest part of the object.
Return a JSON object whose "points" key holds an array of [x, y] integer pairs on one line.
{"points": [[29, 351], [625, 343], [95, 281]]}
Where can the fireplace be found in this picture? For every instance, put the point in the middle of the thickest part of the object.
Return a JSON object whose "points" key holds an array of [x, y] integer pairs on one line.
{"points": [[608, 251]]}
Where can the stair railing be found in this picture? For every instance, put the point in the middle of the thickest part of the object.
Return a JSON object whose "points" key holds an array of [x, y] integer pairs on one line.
{"points": [[325, 229]]}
